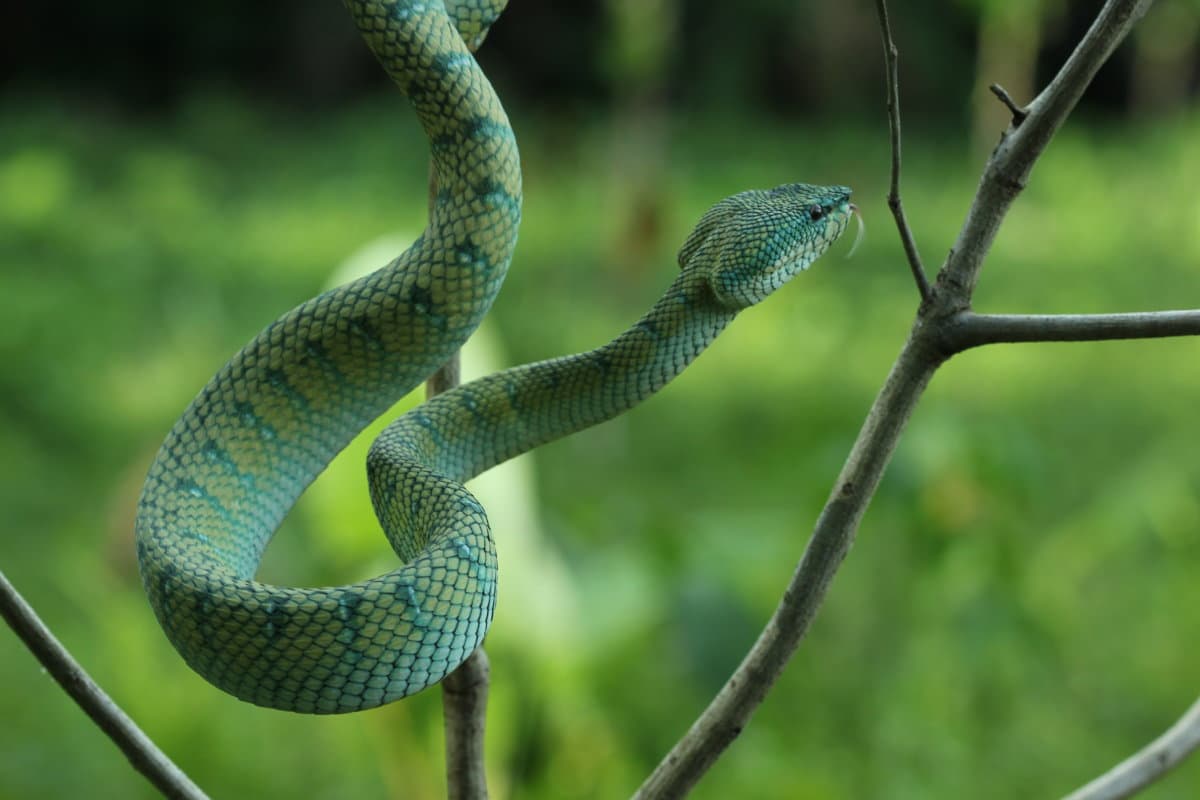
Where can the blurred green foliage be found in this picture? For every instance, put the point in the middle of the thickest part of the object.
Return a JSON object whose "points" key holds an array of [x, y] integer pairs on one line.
{"points": [[1021, 609]]}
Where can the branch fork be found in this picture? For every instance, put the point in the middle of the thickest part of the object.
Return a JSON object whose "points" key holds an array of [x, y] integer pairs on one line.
{"points": [[944, 325]]}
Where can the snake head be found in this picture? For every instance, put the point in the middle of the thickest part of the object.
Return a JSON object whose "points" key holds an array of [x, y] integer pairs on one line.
{"points": [[750, 244]]}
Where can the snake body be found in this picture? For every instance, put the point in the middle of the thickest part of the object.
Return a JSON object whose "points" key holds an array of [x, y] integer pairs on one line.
{"points": [[272, 418]]}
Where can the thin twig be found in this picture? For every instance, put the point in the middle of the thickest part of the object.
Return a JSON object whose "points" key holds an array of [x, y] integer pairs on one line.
{"points": [[967, 330], [731, 709], [890, 57], [1018, 114], [1148, 764], [142, 753], [465, 690]]}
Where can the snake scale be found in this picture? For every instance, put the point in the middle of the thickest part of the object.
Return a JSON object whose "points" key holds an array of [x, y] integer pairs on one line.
{"points": [[272, 418]]}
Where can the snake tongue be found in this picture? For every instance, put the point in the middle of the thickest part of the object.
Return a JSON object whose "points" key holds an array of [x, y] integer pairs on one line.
{"points": [[862, 230]]}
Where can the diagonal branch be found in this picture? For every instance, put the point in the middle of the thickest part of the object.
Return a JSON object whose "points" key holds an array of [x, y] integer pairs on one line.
{"points": [[967, 329], [730, 711], [890, 57], [1009, 167], [142, 753], [1148, 764]]}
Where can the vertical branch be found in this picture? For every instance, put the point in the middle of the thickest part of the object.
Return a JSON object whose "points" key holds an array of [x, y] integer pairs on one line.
{"points": [[142, 753], [464, 691], [890, 56], [464, 704]]}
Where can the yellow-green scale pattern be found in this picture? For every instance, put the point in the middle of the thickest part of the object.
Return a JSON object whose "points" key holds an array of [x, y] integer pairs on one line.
{"points": [[273, 417]]}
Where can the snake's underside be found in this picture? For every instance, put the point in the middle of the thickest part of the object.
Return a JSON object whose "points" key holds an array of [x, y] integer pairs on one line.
{"points": [[272, 418]]}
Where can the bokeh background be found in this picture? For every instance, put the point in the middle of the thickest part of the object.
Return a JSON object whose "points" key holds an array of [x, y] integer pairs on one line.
{"points": [[1022, 607]]}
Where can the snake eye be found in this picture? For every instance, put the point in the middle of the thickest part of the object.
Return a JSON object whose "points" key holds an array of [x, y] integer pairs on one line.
{"points": [[815, 212]]}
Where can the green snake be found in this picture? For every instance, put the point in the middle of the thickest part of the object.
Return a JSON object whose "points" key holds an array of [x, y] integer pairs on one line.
{"points": [[271, 419]]}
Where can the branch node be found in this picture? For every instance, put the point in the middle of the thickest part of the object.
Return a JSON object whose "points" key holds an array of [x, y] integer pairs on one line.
{"points": [[1018, 114]]}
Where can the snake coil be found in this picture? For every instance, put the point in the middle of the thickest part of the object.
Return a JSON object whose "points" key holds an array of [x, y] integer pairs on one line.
{"points": [[273, 417]]}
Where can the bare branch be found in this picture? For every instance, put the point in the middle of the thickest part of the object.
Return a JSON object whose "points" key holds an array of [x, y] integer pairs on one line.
{"points": [[1009, 167], [1148, 764], [142, 753], [731, 709], [729, 712], [465, 690], [890, 57], [967, 329], [464, 704]]}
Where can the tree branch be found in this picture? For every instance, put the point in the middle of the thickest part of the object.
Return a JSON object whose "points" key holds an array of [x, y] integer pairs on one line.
{"points": [[142, 753], [968, 329], [737, 700], [890, 57], [1010, 164], [465, 690], [464, 705], [446, 378], [1003, 177], [1148, 764]]}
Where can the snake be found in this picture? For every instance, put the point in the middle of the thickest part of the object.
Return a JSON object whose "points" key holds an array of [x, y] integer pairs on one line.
{"points": [[270, 420]]}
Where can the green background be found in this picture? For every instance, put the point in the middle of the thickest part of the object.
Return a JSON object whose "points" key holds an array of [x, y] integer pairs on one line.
{"points": [[1021, 608]]}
